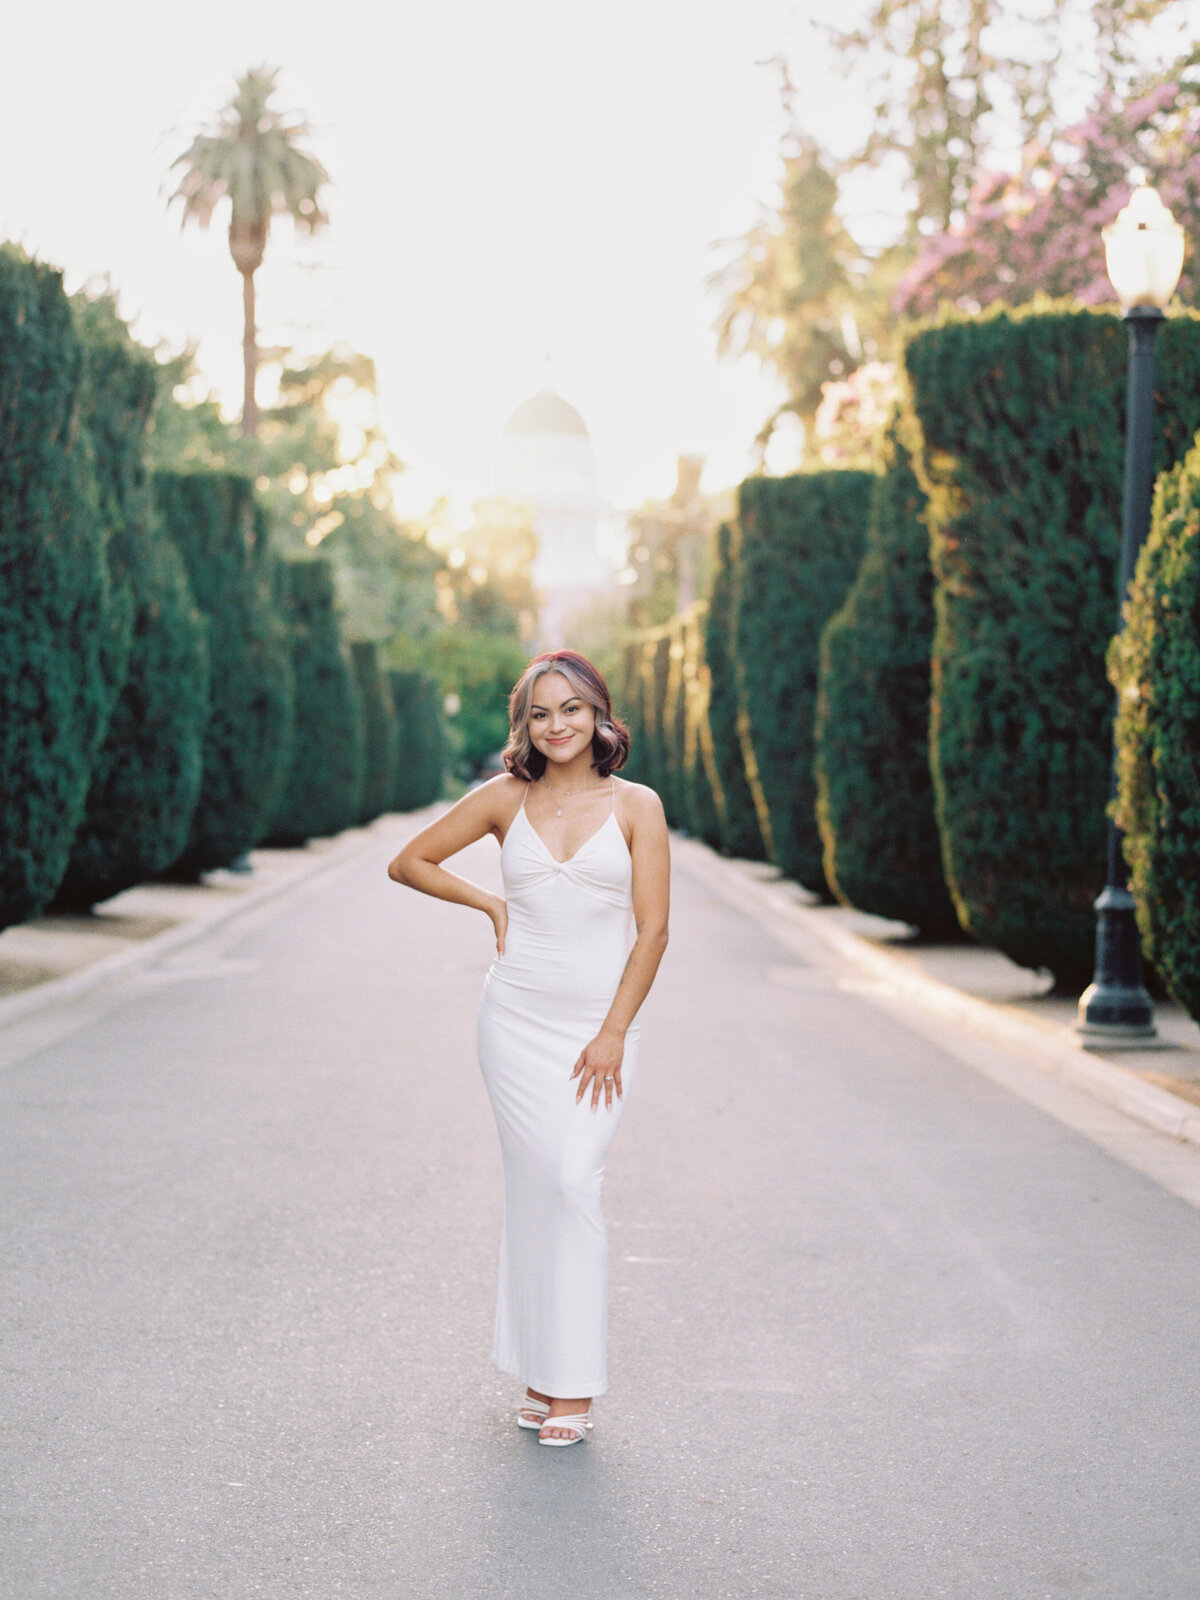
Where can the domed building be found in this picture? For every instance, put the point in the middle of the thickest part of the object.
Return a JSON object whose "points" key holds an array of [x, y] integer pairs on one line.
{"points": [[547, 461]]}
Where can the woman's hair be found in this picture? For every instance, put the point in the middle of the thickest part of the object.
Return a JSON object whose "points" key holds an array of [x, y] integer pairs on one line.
{"points": [[610, 740]]}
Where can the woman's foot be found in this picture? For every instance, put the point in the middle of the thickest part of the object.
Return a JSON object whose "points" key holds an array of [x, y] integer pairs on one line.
{"points": [[576, 1418], [533, 1409]]}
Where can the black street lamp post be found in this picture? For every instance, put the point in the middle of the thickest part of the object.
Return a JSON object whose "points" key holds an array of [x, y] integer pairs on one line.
{"points": [[1145, 255]]}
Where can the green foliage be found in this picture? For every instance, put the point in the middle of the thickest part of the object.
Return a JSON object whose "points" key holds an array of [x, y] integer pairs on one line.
{"points": [[220, 531], [481, 669], [666, 665], [421, 755], [329, 491], [664, 703], [487, 585], [380, 733], [253, 157], [64, 634], [1156, 669], [944, 77], [627, 703], [798, 270], [700, 780], [324, 786], [801, 541], [669, 550], [875, 803], [740, 833], [146, 779], [1023, 423]]}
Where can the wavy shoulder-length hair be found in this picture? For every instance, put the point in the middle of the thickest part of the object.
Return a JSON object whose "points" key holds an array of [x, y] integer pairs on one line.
{"points": [[610, 740]]}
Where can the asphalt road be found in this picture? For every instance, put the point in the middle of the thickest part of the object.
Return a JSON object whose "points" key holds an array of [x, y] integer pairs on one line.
{"points": [[880, 1329]]}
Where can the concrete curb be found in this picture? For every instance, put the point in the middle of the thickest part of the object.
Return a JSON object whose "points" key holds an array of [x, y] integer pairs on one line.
{"points": [[1053, 1049], [342, 850]]}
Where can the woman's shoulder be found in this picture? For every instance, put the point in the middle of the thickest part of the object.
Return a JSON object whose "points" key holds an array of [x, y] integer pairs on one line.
{"points": [[504, 783], [497, 796], [505, 786], [639, 798]]}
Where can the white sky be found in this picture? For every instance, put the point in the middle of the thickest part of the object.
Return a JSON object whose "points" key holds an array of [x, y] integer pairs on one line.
{"points": [[510, 179]]}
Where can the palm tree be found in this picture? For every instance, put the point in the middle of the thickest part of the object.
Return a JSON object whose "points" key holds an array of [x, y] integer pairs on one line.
{"points": [[253, 156]]}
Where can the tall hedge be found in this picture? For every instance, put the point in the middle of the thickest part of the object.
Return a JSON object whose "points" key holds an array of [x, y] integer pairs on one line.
{"points": [[627, 703], [323, 791], [800, 543], [421, 754], [1155, 667], [64, 631], [740, 833], [146, 778], [643, 705], [1022, 416], [875, 804], [379, 732], [701, 781], [663, 728], [221, 533]]}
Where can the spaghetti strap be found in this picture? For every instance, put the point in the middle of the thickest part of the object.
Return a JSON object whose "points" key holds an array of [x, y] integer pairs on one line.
{"points": [[524, 794], [613, 787]]}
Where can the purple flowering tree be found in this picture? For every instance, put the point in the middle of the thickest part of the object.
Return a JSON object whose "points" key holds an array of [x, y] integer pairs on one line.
{"points": [[1037, 231]]}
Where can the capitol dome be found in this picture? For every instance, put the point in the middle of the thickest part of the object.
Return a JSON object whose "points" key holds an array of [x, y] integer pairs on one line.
{"points": [[545, 412], [546, 460]]}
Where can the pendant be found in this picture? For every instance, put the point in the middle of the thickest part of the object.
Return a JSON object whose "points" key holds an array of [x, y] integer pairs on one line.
{"points": [[558, 813]]}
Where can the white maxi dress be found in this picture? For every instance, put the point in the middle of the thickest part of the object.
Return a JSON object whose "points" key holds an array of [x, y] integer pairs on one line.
{"points": [[570, 930]]}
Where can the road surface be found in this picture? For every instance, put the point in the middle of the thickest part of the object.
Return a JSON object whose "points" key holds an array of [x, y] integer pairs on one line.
{"points": [[880, 1329]]}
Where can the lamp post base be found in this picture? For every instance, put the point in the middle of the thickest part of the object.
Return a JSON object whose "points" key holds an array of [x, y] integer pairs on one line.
{"points": [[1114, 1002], [1115, 1005]]}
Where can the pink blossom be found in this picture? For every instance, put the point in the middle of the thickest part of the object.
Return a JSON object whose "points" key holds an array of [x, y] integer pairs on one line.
{"points": [[1038, 231]]}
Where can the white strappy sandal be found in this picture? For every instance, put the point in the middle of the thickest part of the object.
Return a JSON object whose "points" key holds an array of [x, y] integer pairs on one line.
{"points": [[577, 1424], [532, 1412]]}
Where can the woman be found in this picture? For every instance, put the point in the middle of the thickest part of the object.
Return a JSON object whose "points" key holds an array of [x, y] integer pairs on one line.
{"points": [[579, 935]]}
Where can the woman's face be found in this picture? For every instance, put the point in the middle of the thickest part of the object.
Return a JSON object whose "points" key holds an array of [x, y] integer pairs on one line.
{"points": [[560, 723]]}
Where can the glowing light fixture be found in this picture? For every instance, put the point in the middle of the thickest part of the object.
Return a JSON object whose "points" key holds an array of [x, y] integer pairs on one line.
{"points": [[1143, 251]]}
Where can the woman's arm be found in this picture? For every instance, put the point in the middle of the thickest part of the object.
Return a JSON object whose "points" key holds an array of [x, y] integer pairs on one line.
{"points": [[650, 849], [481, 811]]}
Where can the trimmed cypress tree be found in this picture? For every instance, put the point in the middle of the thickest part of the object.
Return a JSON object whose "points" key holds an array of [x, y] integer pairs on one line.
{"points": [[801, 541], [875, 803], [656, 664], [740, 834], [323, 791], [379, 732], [64, 631], [627, 702], [1022, 416], [220, 531], [647, 668], [1156, 669], [146, 779], [700, 779], [421, 740], [673, 723]]}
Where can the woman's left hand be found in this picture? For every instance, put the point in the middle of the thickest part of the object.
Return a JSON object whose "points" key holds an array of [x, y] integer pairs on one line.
{"points": [[600, 1063]]}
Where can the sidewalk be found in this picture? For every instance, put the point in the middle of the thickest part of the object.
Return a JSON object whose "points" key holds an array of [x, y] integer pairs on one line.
{"points": [[976, 989], [54, 958]]}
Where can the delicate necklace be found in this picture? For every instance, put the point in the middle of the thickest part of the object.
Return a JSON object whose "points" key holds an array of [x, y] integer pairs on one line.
{"points": [[584, 790]]}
